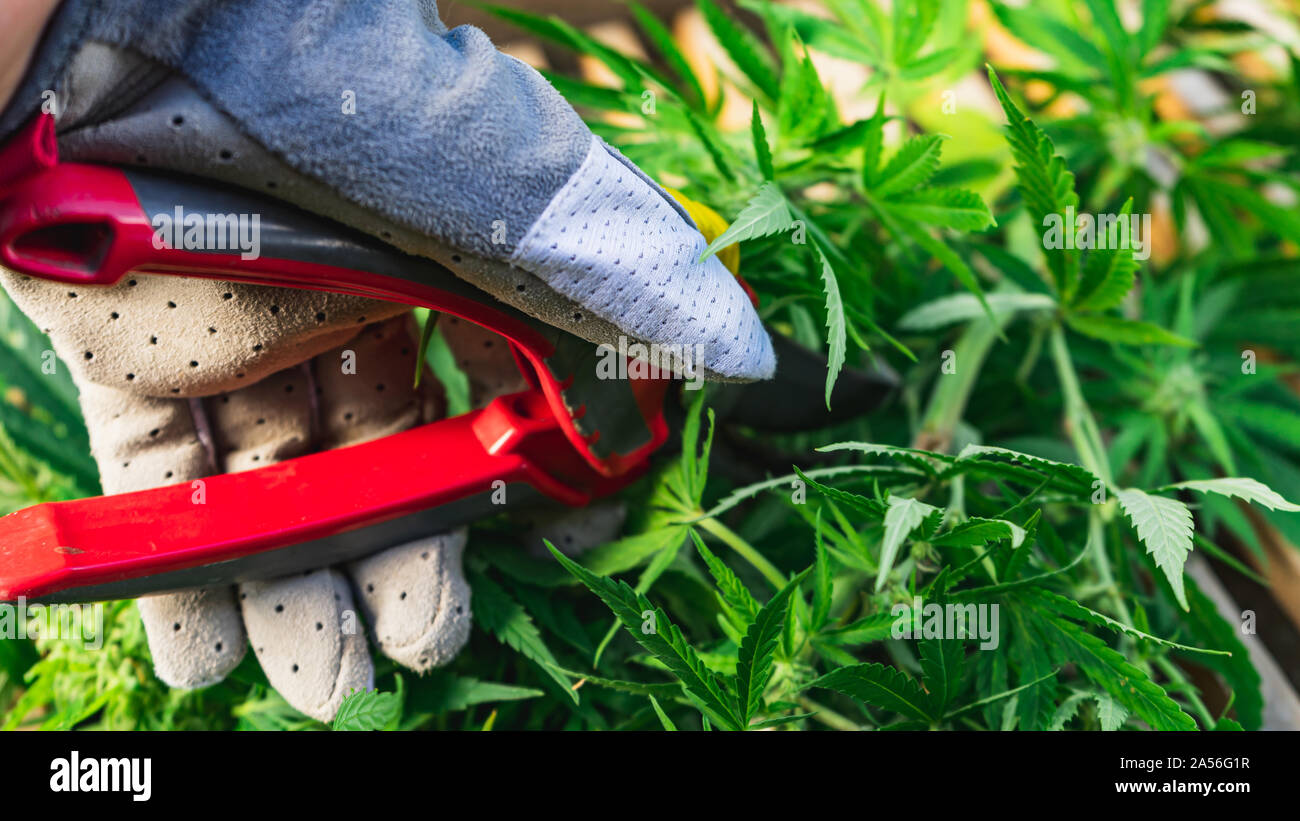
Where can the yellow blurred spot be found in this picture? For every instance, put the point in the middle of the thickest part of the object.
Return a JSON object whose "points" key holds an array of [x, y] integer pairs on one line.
{"points": [[15, 396]]}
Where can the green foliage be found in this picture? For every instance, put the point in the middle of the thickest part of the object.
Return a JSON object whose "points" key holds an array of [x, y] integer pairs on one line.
{"points": [[368, 710], [1095, 428]]}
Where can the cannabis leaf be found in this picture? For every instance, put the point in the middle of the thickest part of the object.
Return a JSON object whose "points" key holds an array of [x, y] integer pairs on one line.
{"points": [[1110, 712], [1108, 273], [745, 50], [1125, 331], [650, 627], [1074, 610], [754, 662], [943, 665], [664, 720], [1242, 488], [762, 151], [767, 213], [977, 531], [835, 322], [912, 165], [732, 593], [368, 710], [1045, 183], [879, 686], [901, 518], [904, 209], [1165, 527], [1070, 644], [503, 617], [954, 208]]}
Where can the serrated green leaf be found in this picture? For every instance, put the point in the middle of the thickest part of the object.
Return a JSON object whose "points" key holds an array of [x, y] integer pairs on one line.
{"points": [[1108, 273], [1165, 527], [664, 42], [731, 590], [443, 692], [503, 617], [902, 516], [1073, 610], [823, 587], [762, 151], [663, 717], [943, 664], [977, 531], [664, 640], [868, 629], [911, 165], [1074, 475], [745, 50], [777, 721], [1242, 488], [758, 649], [626, 553], [836, 336], [923, 460], [879, 686], [1125, 331], [1045, 183], [1106, 668], [766, 213], [953, 208], [365, 710], [804, 107], [1110, 712], [1067, 710]]}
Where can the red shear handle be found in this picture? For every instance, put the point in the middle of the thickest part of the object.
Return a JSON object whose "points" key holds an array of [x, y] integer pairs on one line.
{"points": [[55, 547]]}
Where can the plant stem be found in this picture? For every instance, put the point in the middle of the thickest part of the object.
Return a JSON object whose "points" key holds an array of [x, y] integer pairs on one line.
{"points": [[1032, 353], [952, 391], [1171, 670], [826, 716], [1083, 427], [744, 549], [1097, 544]]}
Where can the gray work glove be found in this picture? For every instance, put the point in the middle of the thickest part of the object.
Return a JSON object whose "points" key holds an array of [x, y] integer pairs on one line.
{"points": [[184, 378], [375, 115]]}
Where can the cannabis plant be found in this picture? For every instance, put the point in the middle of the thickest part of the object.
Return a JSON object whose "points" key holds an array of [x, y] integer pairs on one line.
{"points": [[1004, 547]]}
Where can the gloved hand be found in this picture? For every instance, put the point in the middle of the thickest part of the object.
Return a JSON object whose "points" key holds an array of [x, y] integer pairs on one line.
{"points": [[377, 116], [281, 373], [452, 151]]}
